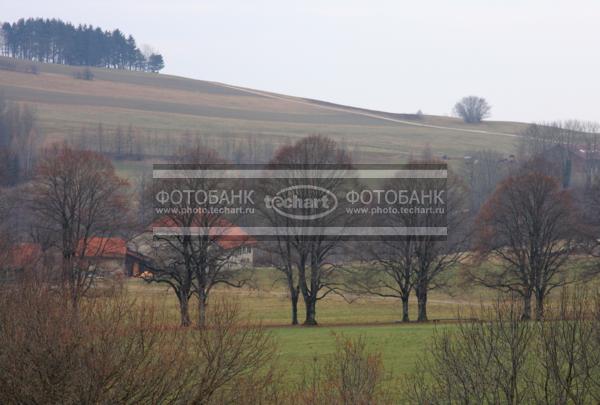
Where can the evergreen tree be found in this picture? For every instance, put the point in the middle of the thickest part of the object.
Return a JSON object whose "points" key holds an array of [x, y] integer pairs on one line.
{"points": [[155, 63], [54, 41]]}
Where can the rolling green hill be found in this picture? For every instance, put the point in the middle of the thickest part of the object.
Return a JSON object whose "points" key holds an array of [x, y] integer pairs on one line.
{"points": [[168, 107]]}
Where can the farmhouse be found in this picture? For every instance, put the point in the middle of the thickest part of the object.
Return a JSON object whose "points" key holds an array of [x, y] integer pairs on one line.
{"points": [[144, 249], [20, 258], [106, 255]]}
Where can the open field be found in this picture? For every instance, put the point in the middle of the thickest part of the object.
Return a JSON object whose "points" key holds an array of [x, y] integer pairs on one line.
{"points": [[375, 319], [168, 106]]}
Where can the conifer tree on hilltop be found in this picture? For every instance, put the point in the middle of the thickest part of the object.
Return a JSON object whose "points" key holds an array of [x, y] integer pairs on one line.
{"points": [[56, 41]]}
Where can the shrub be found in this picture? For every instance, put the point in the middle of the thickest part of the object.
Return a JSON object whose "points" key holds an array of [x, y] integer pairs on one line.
{"points": [[111, 350], [352, 375], [507, 360]]}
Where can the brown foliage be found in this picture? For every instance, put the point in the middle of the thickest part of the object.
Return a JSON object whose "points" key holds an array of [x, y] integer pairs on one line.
{"points": [[114, 351], [75, 197], [103, 353], [529, 226]]}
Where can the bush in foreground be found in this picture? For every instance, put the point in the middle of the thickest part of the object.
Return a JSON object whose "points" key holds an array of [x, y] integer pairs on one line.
{"points": [[510, 361], [110, 350]]}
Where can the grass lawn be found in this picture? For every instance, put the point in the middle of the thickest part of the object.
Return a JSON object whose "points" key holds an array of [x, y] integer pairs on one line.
{"points": [[374, 319], [400, 345]]}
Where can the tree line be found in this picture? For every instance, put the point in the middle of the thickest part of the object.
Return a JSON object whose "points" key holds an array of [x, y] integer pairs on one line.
{"points": [[56, 41], [524, 240]]}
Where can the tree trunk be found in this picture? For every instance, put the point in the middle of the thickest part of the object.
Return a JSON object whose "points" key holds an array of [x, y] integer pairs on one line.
{"points": [[405, 317], [539, 307], [526, 307], [184, 310], [295, 294], [311, 311], [202, 303], [422, 304]]}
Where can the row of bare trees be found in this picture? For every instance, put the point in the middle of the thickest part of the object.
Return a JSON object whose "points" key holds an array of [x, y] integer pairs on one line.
{"points": [[116, 351], [135, 143], [520, 241], [397, 268], [529, 229], [530, 238]]}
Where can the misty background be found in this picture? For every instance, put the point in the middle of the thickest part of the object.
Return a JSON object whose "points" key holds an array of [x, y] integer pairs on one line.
{"points": [[533, 60]]}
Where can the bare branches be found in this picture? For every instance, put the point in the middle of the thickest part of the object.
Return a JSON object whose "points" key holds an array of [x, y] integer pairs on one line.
{"points": [[193, 262], [529, 226], [505, 360], [304, 260], [76, 197], [114, 351]]}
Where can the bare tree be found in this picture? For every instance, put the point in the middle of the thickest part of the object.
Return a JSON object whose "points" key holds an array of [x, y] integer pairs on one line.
{"points": [[194, 262], [434, 257], [529, 227], [226, 355], [77, 197], [315, 272], [282, 257], [6, 236], [395, 267], [472, 109], [388, 271], [390, 266]]}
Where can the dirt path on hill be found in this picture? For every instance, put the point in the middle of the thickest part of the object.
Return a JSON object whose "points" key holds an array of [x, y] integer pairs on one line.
{"points": [[349, 110]]}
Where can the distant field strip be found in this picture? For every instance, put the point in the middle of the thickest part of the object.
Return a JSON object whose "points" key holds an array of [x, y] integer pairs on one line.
{"points": [[175, 108], [366, 114], [49, 97]]}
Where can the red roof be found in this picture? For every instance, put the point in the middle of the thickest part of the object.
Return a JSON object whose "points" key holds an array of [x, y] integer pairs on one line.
{"points": [[24, 254], [105, 247], [226, 234]]}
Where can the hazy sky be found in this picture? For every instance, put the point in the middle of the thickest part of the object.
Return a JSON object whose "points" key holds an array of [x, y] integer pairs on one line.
{"points": [[532, 60]]}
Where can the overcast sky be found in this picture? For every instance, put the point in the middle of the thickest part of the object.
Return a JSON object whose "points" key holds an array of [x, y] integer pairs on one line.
{"points": [[532, 60]]}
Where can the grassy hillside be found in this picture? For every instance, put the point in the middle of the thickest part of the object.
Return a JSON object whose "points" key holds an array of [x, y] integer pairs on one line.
{"points": [[168, 106]]}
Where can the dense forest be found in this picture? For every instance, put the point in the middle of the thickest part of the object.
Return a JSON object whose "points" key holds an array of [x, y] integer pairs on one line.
{"points": [[55, 41]]}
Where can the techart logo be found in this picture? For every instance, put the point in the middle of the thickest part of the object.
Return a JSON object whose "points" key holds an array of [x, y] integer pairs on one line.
{"points": [[303, 202]]}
